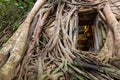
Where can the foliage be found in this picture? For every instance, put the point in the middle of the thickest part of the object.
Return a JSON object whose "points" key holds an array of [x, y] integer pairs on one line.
{"points": [[12, 12]]}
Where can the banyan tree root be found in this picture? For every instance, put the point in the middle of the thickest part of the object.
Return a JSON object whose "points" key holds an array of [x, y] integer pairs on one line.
{"points": [[13, 50], [114, 25], [112, 41], [52, 51]]}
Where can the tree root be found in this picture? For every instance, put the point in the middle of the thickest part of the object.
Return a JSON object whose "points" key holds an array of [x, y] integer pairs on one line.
{"points": [[55, 55]]}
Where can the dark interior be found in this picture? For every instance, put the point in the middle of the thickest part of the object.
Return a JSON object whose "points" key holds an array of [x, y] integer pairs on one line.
{"points": [[85, 39]]}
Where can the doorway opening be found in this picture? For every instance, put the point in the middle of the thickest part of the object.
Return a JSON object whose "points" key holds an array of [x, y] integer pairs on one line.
{"points": [[85, 35]]}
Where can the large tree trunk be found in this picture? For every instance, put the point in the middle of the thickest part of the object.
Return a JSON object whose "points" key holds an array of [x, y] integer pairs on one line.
{"points": [[115, 27], [45, 46], [13, 50]]}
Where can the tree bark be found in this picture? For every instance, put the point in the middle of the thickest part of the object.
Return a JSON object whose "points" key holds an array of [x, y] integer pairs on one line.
{"points": [[114, 25], [12, 51]]}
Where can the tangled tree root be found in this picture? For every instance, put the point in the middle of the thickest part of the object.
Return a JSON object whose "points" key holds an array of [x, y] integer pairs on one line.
{"points": [[51, 51]]}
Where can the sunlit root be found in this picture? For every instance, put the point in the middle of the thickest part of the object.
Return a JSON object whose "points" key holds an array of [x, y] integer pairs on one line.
{"points": [[106, 53], [114, 26], [14, 48]]}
